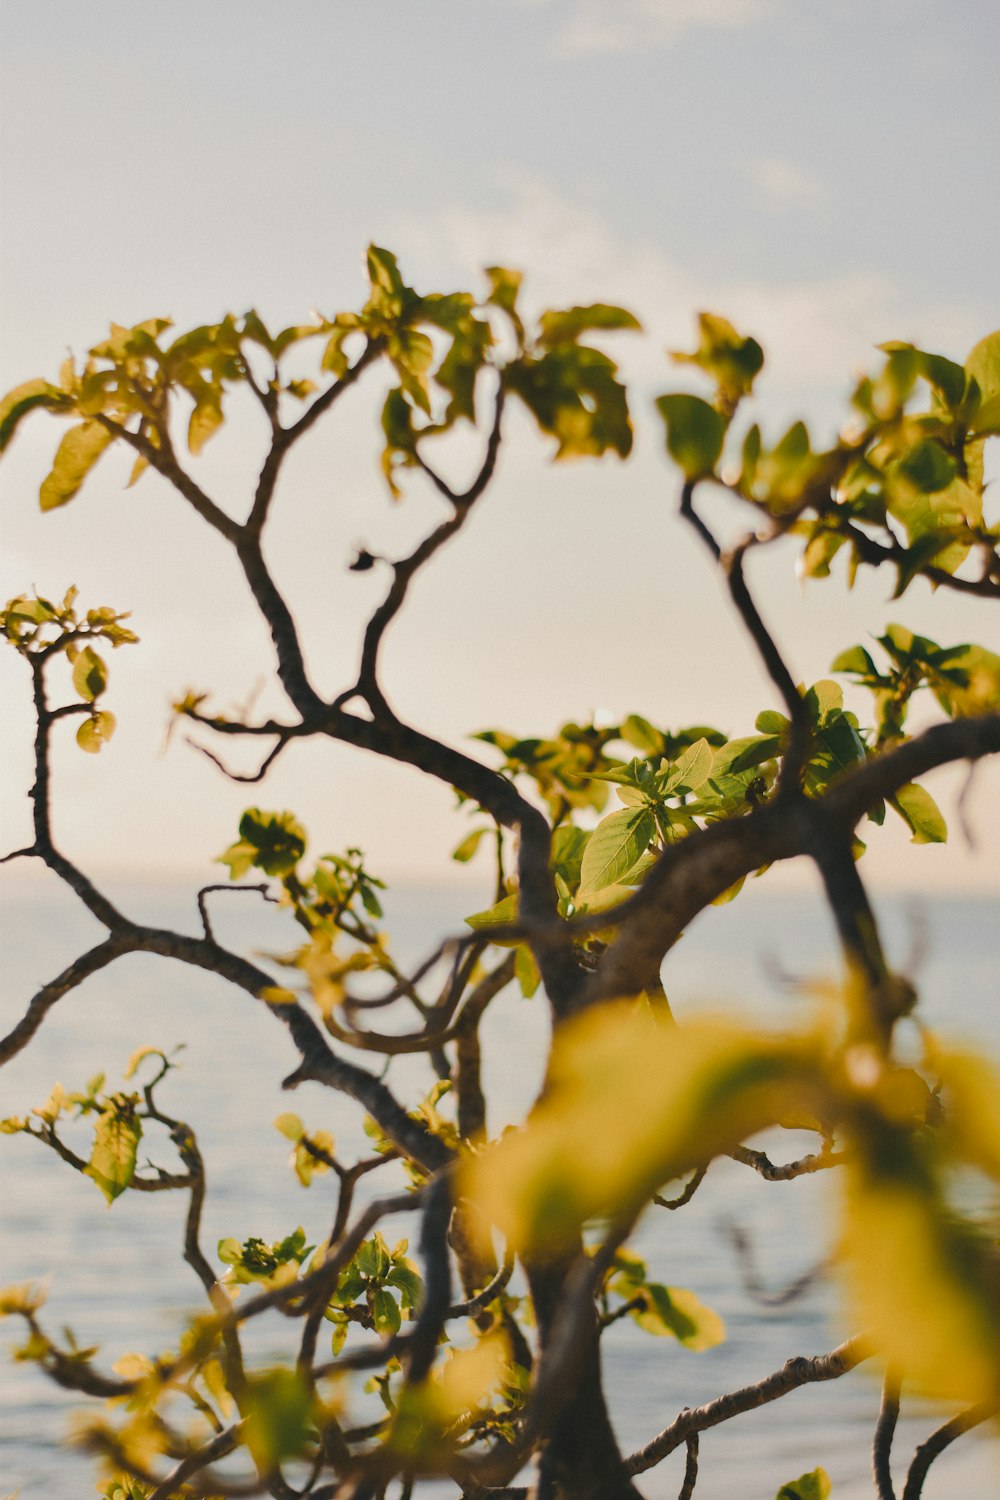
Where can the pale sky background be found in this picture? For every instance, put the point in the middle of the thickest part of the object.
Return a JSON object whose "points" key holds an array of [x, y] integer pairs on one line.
{"points": [[823, 174]]}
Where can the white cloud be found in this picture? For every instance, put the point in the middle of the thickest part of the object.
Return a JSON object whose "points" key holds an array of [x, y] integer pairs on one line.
{"points": [[626, 25], [783, 185], [816, 332]]}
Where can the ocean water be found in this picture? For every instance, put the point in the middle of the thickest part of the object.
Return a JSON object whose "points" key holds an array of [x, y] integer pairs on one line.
{"points": [[116, 1276]]}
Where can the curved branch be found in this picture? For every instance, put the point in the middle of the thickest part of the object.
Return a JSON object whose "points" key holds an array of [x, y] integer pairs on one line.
{"points": [[284, 437], [403, 572], [938, 1441], [73, 975], [793, 1374], [787, 1171], [885, 1428], [731, 563], [959, 739], [247, 777], [799, 734]]}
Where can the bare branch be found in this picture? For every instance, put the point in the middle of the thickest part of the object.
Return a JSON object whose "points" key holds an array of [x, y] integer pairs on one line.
{"points": [[229, 890], [793, 1374], [788, 1171], [690, 1469], [403, 572], [73, 975], [938, 1441], [488, 1294], [692, 1185], [885, 1428], [247, 777], [164, 461]]}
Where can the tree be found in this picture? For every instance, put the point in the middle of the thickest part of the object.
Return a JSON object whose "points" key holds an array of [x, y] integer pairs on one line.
{"points": [[608, 840]]}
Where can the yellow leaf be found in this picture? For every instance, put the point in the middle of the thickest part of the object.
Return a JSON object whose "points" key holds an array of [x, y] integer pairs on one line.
{"points": [[275, 994], [79, 450], [22, 1297], [137, 1057], [693, 1092], [923, 1286], [206, 419]]}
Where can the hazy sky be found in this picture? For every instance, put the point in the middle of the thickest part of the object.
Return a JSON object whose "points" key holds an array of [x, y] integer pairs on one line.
{"points": [[823, 174]]}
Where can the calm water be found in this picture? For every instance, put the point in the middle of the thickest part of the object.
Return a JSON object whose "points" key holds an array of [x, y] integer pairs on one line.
{"points": [[117, 1278]]}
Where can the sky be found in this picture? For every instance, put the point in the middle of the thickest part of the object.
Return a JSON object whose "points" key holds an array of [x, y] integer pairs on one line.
{"points": [[824, 175]]}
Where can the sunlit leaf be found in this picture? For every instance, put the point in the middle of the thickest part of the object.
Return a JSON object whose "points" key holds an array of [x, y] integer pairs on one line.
{"points": [[695, 433], [94, 733], [614, 847], [116, 1139], [76, 455], [24, 399], [277, 1407], [692, 1092], [812, 1486], [919, 810], [674, 1311], [90, 675], [983, 364]]}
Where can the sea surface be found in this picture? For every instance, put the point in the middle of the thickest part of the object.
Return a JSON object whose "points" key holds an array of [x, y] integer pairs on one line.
{"points": [[116, 1277]]}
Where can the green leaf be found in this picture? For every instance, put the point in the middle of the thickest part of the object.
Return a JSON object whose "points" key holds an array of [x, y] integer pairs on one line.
{"points": [[918, 809], [644, 736], [79, 450], [966, 680], [90, 675], [468, 846], [566, 327], [116, 1138], [526, 970], [677, 1312], [568, 845], [813, 1486], [273, 842], [691, 770], [406, 1278], [615, 846], [983, 365], [23, 399], [500, 915], [277, 1409], [505, 285], [573, 394], [927, 467], [385, 1312], [854, 659], [695, 433], [373, 1259], [732, 361]]}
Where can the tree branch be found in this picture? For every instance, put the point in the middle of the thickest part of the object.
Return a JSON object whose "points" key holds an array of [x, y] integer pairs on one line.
{"points": [[793, 1374], [938, 1441]]}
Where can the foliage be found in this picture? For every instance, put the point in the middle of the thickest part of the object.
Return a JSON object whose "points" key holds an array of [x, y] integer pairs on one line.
{"points": [[605, 841]]}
